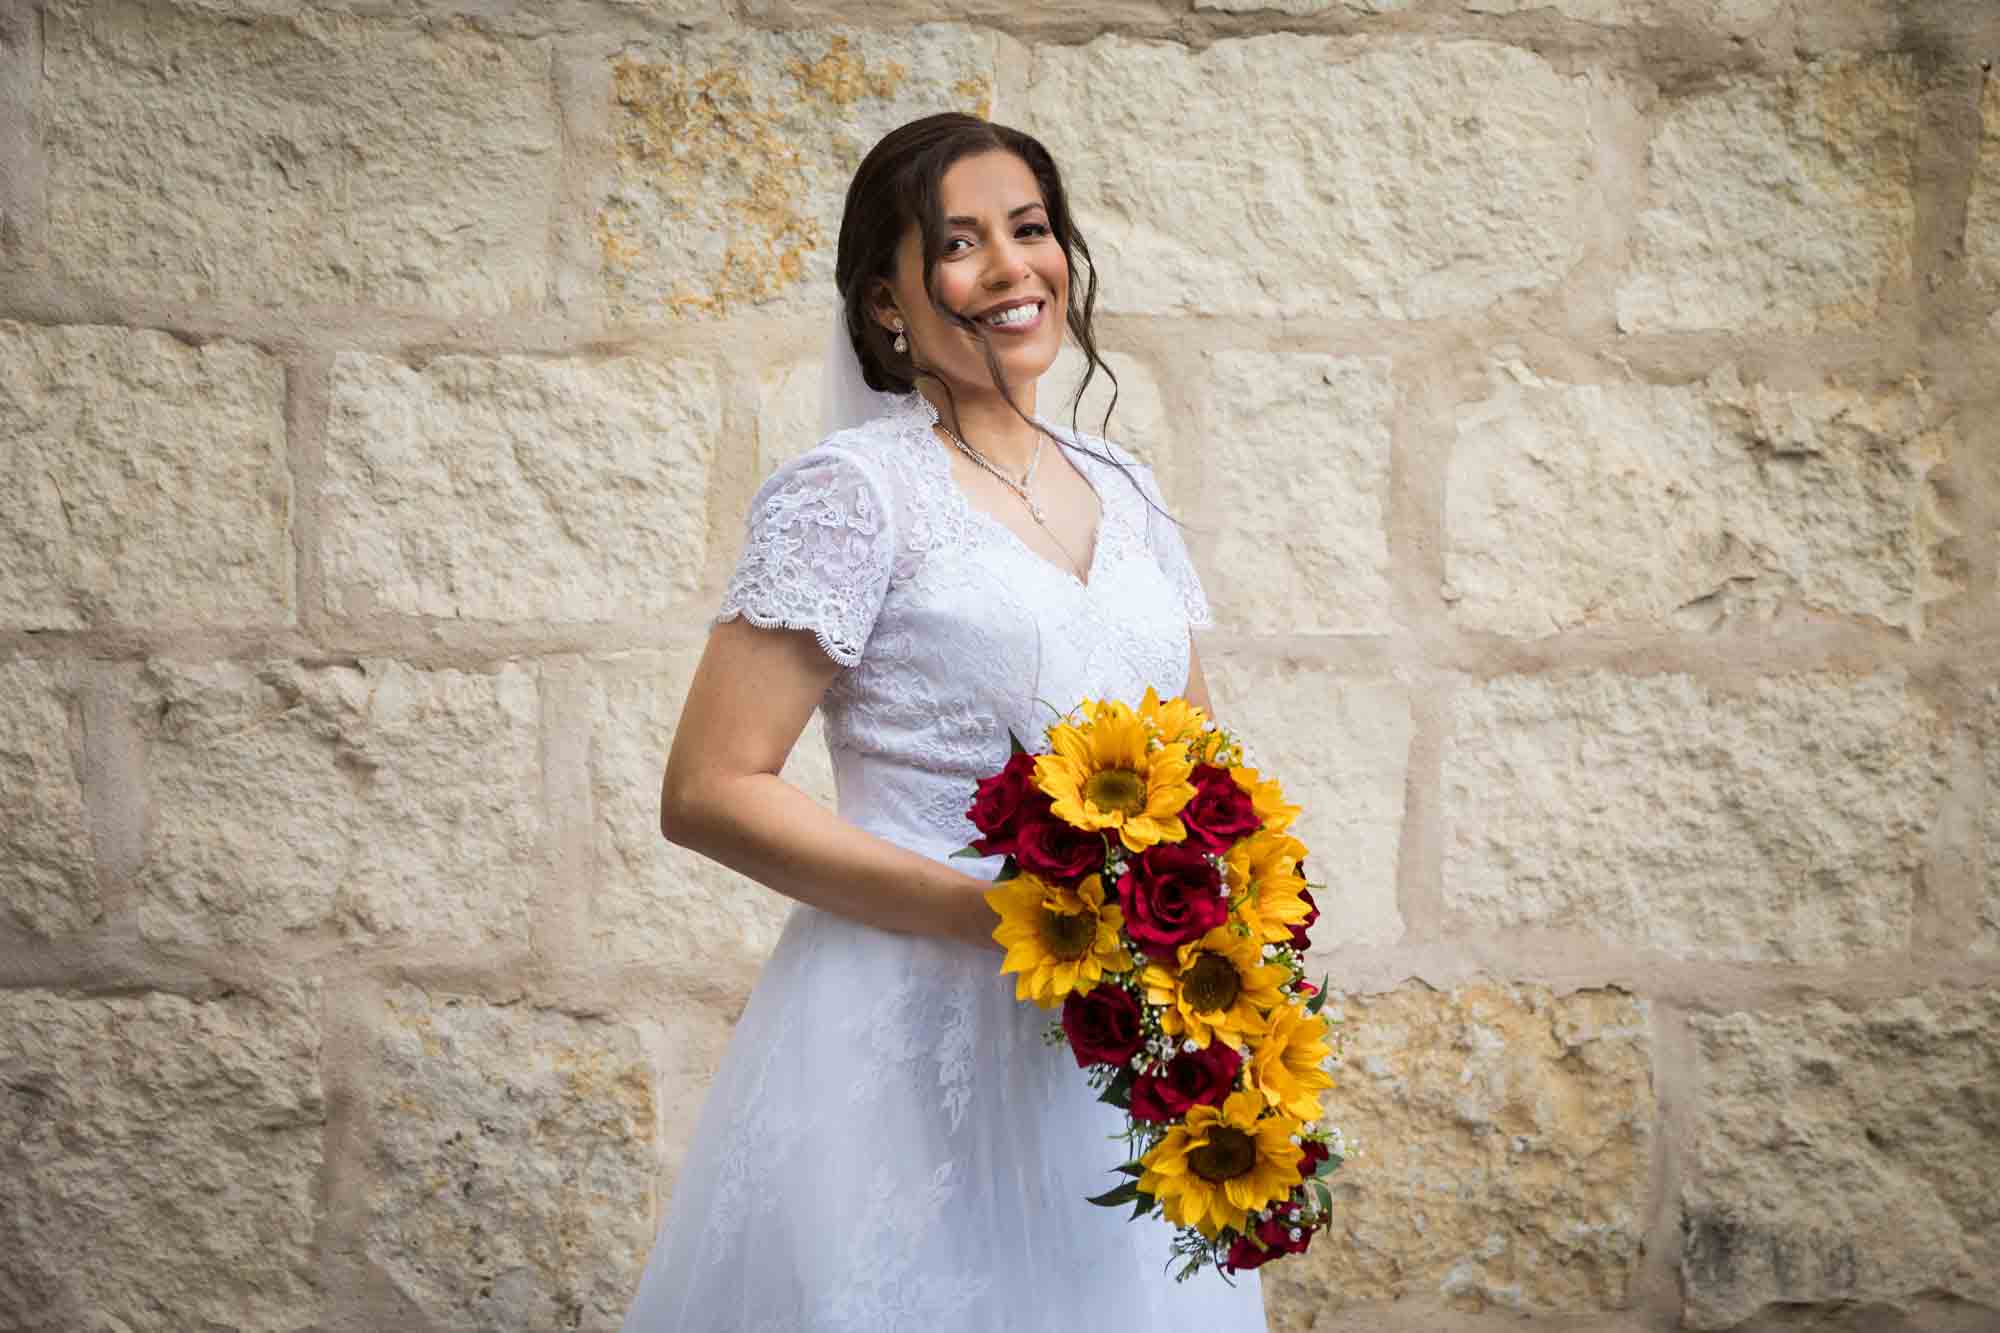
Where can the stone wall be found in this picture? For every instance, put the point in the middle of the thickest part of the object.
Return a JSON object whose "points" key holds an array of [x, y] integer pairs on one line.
{"points": [[1588, 417]]}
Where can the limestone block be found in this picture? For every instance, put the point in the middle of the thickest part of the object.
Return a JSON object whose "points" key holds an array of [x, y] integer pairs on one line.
{"points": [[1982, 209], [1504, 1135], [1140, 420], [160, 1160], [359, 162], [1296, 480], [1783, 203], [1843, 1157], [1303, 7], [788, 414], [509, 488], [524, 18], [377, 801], [148, 483], [1341, 750], [1786, 823], [1732, 17], [655, 902], [1271, 175], [1988, 940], [47, 881], [1581, 504], [730, 157], [511, 1162]]}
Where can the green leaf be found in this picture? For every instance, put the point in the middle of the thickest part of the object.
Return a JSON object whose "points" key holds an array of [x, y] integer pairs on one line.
{"points": [[1319, 997], [969, 853], [1132, 1169], [1015, 742], [1326, 1168], [1118, 1195], [1323, 1197], [1140, 1208]]}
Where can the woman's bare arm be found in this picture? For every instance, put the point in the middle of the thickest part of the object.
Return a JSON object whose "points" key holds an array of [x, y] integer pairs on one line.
{"points": [[753, 692]]}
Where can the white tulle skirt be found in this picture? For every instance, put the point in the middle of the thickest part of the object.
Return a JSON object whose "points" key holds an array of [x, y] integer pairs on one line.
{"points": [[889, 1145]]}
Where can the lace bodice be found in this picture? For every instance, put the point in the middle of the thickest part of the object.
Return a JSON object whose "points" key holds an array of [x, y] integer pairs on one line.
{"points": [[952, 629]]}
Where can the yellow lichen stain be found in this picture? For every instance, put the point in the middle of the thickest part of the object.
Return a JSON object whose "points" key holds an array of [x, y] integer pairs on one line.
{"points": [[975, 91], [841, 77], [706, 149]]}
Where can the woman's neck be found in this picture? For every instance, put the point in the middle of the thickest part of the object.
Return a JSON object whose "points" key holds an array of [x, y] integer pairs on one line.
{"points": [[987, 423]]}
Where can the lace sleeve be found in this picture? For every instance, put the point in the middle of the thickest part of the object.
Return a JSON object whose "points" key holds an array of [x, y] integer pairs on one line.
{"points": [[1163, 535], [817, 554]]}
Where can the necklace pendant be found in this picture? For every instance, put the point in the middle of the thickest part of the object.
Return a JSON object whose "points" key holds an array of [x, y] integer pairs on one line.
{"points": [[1035, 511]]}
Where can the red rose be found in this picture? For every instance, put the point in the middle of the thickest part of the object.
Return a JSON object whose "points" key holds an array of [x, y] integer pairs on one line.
{"points": [[996, 806], [1102, 1025], [1170, 894], [1314, 1152], [1299, 931], [1220, 813], [1275, 1232], [1053, 849], [1193, 1078]]}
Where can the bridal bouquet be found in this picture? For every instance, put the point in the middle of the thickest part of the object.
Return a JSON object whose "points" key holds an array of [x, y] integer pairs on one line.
{"points": [[1152, 893]]}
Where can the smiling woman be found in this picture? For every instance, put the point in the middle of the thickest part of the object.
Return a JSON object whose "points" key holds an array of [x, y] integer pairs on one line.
{"points": [[889, 1143]]}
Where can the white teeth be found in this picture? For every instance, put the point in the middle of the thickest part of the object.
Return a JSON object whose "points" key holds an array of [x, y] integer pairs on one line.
{"points": [[1019, 314]]}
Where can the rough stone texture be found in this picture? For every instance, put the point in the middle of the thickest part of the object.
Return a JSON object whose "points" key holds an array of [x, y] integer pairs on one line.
{"points": [[359, 161], [1785, 823], [1341, 749], [1342, 224], [1842, 1156], [512, 1162], [47, 882], [1303, 7], [378, 802], [530, 18], [1504, 1138], [505, 488], [1778, 203], [1988, 940], [1735, 17], [1982, 210], [1296, 489], [147, 481], [1580, 504], [788, 417], [159, 1161], [730, 157], [1139, 421], [655, 902]]}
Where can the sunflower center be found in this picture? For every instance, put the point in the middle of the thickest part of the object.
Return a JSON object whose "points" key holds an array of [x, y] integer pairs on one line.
{"points": [[1068, 935], [1117, 789], [1211, 984], [1228, 1154]]}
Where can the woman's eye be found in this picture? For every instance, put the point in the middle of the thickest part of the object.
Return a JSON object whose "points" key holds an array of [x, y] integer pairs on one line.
{"points": [[1037, 227]]}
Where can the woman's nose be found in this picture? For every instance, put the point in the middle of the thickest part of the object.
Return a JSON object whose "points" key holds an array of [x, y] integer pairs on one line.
{"points": [[1006, 262]]}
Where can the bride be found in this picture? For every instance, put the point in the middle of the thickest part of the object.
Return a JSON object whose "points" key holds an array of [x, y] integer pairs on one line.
{"points": [[889, 1144]]}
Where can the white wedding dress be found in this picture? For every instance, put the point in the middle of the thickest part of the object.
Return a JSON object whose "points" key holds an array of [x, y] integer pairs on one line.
{"points": [[888, 1144]]}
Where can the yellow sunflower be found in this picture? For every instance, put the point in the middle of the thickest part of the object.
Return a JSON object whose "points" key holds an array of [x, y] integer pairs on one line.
{"points": [[1264, 883], [1059, 940], [1101, 777], [1285, 1067], [1174, 719], [1222, 988], [1214, 1168], [1268, 799]]}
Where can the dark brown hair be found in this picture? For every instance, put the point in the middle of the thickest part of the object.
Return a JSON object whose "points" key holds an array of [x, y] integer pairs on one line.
{"points": [[898, 185]]}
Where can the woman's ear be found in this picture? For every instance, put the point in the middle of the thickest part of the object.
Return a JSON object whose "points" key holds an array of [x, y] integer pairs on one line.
{"points": [[882, 306]]}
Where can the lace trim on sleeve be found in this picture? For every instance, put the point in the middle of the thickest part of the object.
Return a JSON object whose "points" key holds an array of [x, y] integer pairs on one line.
{"points": [[817, 554]]}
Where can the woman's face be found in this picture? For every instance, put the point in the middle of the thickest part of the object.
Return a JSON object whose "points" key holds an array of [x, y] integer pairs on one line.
{"points": [[999, 254]]}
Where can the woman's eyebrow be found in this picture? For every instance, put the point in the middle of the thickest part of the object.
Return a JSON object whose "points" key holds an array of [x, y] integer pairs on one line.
{"points": [[973, 222]]}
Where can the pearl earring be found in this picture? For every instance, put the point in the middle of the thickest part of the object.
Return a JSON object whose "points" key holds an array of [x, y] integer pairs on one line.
{"points": [[901, 344]]}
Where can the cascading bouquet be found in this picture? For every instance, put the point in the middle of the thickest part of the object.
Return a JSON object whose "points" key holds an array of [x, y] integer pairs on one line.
{"points": [[1152, 892]]}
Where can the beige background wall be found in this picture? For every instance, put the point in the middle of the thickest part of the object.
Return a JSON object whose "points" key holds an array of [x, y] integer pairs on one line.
{"points": [[1587, 415]]}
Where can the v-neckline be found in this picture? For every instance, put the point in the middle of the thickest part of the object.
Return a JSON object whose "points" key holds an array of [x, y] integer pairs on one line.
{"points": [[926, 417]]}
